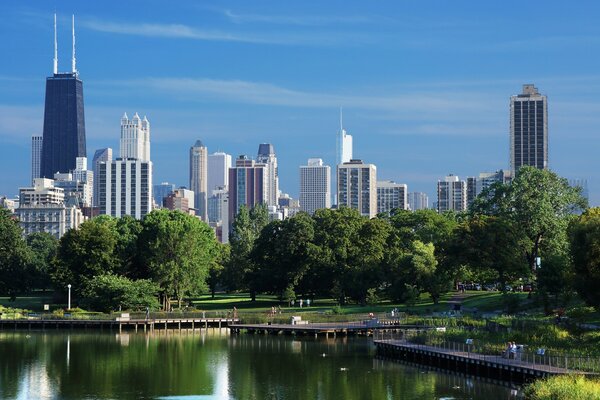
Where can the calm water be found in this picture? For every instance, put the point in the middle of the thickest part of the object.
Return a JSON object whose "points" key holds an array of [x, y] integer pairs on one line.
{"points": [[214, 365]]}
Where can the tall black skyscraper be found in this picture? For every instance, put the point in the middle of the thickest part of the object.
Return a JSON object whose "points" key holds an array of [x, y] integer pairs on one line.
{"points": [[528, 129], [64, 122]]}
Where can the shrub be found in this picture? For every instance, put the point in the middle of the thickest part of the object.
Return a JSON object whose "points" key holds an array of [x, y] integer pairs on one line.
{"points": [[566, 387]]}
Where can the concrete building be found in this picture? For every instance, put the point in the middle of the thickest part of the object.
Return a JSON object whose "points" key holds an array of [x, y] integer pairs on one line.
{"points": [[101, 155], [391, 196], [418, 201], [528, 129], [181, 199], [315, 186], [78, 185], [266, 156], [125, 185], [215, 204], [451, 194], [357, 187], [42, 208], [288, 206], [247, 185], [160, 191], [199, 178], [36, 156], [218, 170]]}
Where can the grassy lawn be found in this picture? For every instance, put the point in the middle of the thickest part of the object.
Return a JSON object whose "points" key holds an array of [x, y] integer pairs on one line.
{"points": [[34, 303]]}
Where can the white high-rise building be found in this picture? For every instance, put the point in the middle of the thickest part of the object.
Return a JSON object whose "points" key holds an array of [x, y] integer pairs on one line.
{"points": [[199, 178], [344, 144], [135, 138], [315, 186], [418, 201], [357, 187], [266, 156], [78, 185], [36, 156], [125, 185], [451, 194], [101, 155], [218, 170], [391, 196]]}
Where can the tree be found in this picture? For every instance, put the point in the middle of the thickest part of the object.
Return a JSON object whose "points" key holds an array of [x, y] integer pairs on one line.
{"points": [[128, 230], [177, 249], [491, 247], [217, 268], [43, 248], [584, 236], [15, 257], [246, 228], [282, 254], [85, 253], [539, 203], [113, 292]]}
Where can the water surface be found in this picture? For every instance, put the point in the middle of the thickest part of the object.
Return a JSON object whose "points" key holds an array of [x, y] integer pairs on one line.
{"points": [[215, 365]]}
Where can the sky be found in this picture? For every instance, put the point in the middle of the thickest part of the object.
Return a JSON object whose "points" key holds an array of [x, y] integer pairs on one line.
{"points": [[425, 86]]}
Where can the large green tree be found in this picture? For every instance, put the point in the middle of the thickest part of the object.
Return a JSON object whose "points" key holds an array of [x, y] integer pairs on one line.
{"points": [[43, 251], [246, 228], [114, 292], [540, 204], [15, 257], [177, 249], [584, 235]]}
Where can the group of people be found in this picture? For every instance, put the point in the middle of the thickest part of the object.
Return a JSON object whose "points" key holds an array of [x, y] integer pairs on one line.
{"points": [[511, 351], [300, 303]]}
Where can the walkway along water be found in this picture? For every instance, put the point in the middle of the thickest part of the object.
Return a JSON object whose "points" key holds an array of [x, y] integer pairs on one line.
{"points": [[467, 358]]}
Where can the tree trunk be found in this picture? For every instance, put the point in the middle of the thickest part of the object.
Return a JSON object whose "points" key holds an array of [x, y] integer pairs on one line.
{"points": [[253, 295]]}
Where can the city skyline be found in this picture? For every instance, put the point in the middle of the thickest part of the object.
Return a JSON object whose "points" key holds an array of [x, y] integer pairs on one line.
{"points": [[393, 108]]}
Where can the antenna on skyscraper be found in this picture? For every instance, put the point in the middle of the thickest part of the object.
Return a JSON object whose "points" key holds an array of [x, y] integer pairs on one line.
{"points": [[55, 48], [74, 69]]}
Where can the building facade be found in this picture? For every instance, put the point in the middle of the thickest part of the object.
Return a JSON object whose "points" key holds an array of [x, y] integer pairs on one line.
{"points": [[218, 170], [266, 156], [451, 194], [418, 201], [162, 190], [357, 187], [247, 185], [100, 155], [125, 184], [42, 208], [391, 196], [181, 199], [199, 178], [528, 129], [36, 156], [315, 186]]}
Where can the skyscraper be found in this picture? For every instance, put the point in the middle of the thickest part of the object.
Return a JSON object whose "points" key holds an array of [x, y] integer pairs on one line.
{"points": [[218, 170], [199, 178], [266, 156], [64, 122], [125, 185], [315, 186], [101, 155], [162, 190], [451, 194], [344, 144], [391, 196], [418, 201], [247, 185], [36, 156], [357, 187], [528, 129]]}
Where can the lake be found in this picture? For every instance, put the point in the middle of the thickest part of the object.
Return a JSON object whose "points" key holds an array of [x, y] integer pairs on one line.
{"points": [[214, 365]]}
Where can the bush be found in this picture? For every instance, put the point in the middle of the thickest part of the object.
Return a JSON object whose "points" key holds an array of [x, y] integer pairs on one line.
{"points": [[111, 292], [337, 310], [372, 297], [566, 387]]}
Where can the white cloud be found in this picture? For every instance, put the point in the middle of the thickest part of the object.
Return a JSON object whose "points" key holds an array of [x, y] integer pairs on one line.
{"points": [[303, 20], [19, 123]]}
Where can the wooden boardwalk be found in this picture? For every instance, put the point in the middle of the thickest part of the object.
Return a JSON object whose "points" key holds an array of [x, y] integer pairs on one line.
{"points": [[117, 324], [324, 329], [489, 366]]}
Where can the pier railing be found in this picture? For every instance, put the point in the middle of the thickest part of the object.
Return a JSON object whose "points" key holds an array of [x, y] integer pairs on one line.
{"points": [[95, 316], [488, 352]]}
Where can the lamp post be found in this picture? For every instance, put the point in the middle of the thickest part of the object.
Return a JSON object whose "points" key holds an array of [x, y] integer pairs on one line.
{"points": [[69, 304]]}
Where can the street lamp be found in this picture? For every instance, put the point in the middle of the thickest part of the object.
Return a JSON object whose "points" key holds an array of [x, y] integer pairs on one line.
{"points": [[69, 286]]}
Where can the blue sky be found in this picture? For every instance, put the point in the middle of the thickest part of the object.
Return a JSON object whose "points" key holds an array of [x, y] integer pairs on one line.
{"points": [[425, 86]]}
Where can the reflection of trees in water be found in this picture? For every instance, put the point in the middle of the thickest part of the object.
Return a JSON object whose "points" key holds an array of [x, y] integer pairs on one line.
{"points": [[284, 368], [259, 367], [100, 366]]}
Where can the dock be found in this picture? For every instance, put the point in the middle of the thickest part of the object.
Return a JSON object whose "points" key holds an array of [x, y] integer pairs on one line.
{"points": [[327, 329], [458, 358], [117, 324]]}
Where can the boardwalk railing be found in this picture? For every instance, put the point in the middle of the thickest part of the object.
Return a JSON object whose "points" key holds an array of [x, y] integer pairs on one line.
{"points": [[91, 316], [483, 351]]}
